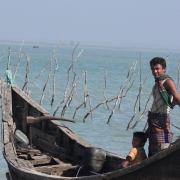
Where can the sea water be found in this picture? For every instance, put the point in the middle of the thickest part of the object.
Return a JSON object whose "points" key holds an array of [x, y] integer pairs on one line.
{"points": [[106, 71]]}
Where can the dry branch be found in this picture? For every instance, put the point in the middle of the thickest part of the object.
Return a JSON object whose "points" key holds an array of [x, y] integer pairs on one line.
{"points": [[101, 103], [70, 97], [167, 62], [46, 82], [68, 100], [68, 79], [54, 81], [19, 59], [9, 54], [129, 76], [138, 96], [175, 126], [49, 62], [143, 113], [73, 62], [38, 77], [79, 107], [54, 78], [85, 88], [178, 75], [2, 54], [120, 93], [105, 84], [84, 119], [27, 72], [90, 104], [140, 84], [129, 83], [65, 92]]}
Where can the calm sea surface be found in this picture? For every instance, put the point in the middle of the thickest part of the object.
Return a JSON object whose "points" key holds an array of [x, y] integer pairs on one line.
{"points": [[96, 62]]}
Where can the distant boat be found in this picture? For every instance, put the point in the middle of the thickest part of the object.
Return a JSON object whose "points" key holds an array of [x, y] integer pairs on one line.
{"points": [[35, 46]]}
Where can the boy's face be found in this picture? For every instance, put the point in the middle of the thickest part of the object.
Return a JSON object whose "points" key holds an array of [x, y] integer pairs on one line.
{"points": [[158, 70], [136, 142]]}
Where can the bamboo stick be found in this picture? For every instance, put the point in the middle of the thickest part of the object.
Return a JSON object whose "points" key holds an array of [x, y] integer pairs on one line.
{"points": [[68, 82], [27, 73], [19, 59], [46, 83], [49, 62], [2, 54], [9, 54], [128, 83], [85, 88], [178, 75], [70, 97], [54, 82], [79, 107], [119, 94], [140, 84], [143, 113]]}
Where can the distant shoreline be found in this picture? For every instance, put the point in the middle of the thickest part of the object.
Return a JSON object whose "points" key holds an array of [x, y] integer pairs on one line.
{"points": [[90, 46]]}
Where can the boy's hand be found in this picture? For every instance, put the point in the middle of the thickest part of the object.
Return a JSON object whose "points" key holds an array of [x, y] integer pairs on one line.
{"points": [[117, 166]]}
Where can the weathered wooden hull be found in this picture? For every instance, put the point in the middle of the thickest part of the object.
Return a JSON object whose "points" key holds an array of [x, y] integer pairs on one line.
{"points": [[58, 153]]}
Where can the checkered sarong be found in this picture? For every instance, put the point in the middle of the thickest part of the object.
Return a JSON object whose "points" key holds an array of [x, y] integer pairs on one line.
{"points": [[159, 131]]}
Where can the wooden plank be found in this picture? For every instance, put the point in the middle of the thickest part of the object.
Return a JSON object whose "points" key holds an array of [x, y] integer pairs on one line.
{"points": [[14, 128], [9, 150], [29, 100], [50, 147], [44, 159], [21, 107], [23, 156], [78, 152], [24, 163], [56, 169], [71, 134], [34, 112], [5, 132], [38, 133], [42, 156], [7, 104], [27, 151], [13, 143]]}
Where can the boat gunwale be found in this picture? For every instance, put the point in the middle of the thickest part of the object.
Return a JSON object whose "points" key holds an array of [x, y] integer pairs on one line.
{"points": [[109, 175]]}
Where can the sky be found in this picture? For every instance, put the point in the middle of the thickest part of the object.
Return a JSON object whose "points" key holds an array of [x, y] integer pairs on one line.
{"points": [[112, 23]]}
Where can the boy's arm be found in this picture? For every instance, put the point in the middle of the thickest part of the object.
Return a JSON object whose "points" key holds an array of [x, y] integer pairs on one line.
{"points": [[123, 164], [130, 157], [171, 89]]}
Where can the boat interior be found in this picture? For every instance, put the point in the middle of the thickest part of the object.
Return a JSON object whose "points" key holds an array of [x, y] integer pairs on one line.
{"points": [[48, 146]]}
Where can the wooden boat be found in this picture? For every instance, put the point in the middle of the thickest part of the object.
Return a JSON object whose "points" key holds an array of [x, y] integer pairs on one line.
{"points": [[55, 152], [35, 46]]}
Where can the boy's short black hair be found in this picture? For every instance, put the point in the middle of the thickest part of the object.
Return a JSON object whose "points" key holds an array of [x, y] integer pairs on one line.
{"points": [[141, 135], [158, 60]]}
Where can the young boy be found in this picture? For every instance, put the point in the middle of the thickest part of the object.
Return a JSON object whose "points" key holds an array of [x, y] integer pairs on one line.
{"points": [[137, 153]]}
